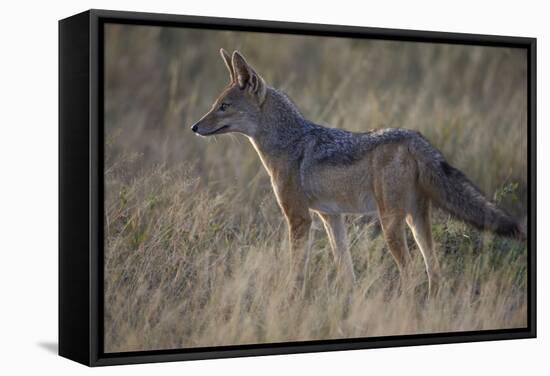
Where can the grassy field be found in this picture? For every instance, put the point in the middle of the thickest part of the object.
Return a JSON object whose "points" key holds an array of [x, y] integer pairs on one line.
{"points": [[196, 250]]}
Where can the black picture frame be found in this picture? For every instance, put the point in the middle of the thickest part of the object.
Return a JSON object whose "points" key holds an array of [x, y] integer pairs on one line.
{"points": [[81, 187]]}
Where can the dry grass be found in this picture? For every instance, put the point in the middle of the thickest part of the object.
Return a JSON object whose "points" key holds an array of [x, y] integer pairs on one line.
{"points": [[195, 247]]}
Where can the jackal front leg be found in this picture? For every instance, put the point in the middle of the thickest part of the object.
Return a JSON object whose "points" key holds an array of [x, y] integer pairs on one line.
{"points": [[336, 231], [299, 226]]}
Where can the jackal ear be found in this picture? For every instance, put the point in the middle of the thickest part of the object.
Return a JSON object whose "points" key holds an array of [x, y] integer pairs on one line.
{"points": [[227, 60], [247, 78]]}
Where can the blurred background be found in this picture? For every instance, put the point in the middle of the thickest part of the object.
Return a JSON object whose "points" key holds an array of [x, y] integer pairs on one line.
{"points": [[192, 224]]}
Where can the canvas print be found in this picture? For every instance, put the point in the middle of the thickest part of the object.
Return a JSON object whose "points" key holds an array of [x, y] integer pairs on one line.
{"points": [[273, 188]]}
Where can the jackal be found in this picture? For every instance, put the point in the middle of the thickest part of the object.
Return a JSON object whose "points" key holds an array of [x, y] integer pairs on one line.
{"points": [[395, 173]]}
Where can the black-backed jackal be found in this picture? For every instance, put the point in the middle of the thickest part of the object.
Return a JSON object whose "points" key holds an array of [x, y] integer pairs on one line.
{"points": [[332, 172]]}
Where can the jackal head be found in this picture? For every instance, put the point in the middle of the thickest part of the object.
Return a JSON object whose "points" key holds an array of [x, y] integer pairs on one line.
{"points": [[239, 106]]}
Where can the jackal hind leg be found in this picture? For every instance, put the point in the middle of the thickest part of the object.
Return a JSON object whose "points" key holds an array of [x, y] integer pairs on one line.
{"points": [[393, 227], [336, 232], [419, 223]]}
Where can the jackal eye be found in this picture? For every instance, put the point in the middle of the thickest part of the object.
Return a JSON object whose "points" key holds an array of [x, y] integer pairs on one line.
{"points": [[224, 106]]}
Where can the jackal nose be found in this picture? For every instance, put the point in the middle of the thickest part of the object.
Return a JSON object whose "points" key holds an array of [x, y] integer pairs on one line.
{"points": [[194, 128]]}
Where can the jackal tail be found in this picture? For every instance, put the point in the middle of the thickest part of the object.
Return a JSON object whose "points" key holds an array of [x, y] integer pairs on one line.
{"points": [[452, 191]]}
